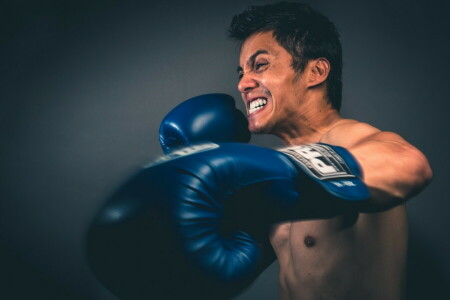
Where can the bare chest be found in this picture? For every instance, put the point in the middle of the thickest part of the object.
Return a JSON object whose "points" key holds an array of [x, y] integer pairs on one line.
{"points": [[310, 235], [330, 255]]}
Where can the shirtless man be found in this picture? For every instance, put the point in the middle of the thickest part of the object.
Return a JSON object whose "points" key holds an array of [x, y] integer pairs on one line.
{"points": [[291, 60], [177, 229]]}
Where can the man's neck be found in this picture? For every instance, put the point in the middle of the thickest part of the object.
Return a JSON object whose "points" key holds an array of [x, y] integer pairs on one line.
{"points": [[310, 125]]}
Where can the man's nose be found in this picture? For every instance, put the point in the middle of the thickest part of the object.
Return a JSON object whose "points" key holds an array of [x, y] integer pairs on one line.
{"points": [[247, 83]]}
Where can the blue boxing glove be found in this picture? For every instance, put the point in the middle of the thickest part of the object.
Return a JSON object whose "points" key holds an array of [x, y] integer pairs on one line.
{"points": [[205, 118], [189, 225]]}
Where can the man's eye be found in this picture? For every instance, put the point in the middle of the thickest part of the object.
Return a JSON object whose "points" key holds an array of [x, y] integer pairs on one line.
{"points": [[240, 75], [260, 65]]}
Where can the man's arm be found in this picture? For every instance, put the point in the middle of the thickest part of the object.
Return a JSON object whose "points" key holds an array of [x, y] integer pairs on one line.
{"points": [[394, 170]]}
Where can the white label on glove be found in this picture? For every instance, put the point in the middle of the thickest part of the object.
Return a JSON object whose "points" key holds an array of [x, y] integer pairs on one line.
{"points": [[320, 161], [182, 153]]}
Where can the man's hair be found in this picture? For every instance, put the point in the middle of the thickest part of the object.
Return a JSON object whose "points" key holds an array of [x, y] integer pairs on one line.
{"points": [[305, 33]]}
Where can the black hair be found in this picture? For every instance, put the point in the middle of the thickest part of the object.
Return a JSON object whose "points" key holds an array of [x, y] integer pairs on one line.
{"points": [[305, 33]]}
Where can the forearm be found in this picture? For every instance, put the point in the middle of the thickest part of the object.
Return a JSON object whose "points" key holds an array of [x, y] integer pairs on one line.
{"points": [[393, 170]]}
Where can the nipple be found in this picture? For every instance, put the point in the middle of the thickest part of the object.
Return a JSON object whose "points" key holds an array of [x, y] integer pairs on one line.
{"points": [[309, 241]]}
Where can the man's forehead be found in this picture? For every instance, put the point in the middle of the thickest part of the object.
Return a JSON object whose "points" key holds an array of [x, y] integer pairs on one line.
{"points": [[262, 42]]}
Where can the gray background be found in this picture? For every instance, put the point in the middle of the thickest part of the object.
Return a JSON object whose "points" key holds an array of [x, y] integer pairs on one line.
{"points": [[84, 85]]}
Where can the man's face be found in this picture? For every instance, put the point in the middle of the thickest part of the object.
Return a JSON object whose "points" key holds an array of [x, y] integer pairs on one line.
{"points": [[271, 89]]}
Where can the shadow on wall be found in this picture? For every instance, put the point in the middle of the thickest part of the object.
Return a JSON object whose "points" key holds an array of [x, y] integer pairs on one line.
{"points": [[426, 277], [18, 280]]}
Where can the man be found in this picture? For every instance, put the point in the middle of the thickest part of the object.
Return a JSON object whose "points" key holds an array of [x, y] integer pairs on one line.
{"points": [[290, 81]]}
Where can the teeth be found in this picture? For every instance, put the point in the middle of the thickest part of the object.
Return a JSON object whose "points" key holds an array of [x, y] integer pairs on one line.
{"points": [[256, 104]]}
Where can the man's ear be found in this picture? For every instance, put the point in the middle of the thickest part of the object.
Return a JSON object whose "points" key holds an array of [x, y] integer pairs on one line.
{"points": [[318, 71]]}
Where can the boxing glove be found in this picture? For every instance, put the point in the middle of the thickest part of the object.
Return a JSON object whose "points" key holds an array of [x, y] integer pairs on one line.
{"points": [[205, 118], [190, 224]]}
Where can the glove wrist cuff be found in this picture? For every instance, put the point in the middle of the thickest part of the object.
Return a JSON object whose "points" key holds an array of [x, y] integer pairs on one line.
{"points": [[332, 167]]}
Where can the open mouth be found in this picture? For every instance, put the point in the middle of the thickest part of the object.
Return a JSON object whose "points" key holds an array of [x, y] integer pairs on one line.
{"points": [[256, 104]]}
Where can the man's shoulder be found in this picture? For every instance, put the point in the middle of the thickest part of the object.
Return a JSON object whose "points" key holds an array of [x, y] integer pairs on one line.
{"points": [[347, 133]]}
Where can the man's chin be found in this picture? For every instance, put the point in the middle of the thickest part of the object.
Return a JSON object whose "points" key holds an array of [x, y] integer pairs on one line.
{"points": [[258, 129], [259, 124]]}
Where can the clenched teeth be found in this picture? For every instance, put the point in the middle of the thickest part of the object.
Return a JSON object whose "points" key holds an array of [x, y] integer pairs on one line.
{"points": [[256, 104]]}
